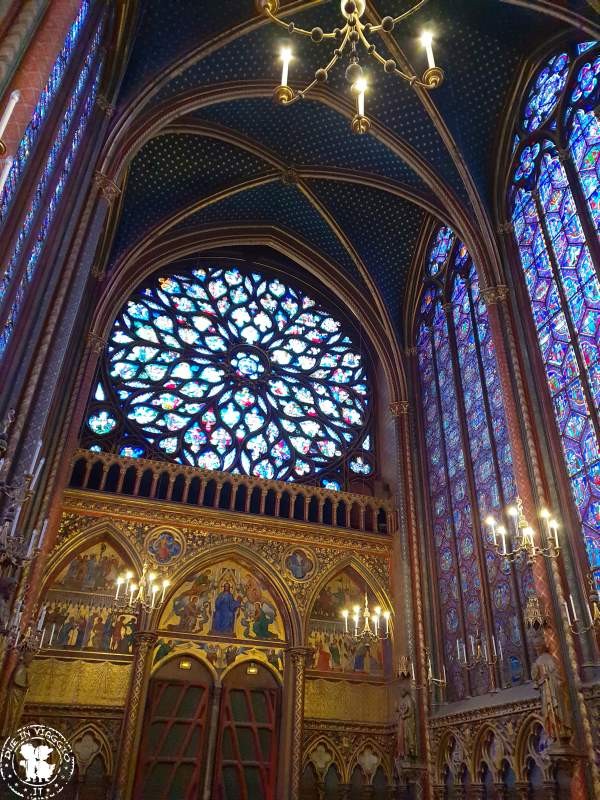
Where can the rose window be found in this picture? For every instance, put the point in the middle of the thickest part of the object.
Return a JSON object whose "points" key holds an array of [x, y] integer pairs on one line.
{"points": [[233, 371]]}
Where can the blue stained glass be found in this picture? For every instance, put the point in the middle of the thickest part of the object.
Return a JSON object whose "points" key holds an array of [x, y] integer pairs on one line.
{"points": [[46, 222], [587, 80], [583, 47], [545, 92], [39, 113], [267, 387], [49, 167], [440, 250]]}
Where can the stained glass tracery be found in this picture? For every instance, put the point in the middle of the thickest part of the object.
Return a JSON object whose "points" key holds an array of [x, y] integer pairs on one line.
{"points": [[555, 192], [469, 465], [237, 371]]}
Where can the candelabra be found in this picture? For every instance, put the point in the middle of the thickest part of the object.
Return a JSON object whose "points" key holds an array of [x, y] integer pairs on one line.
{"points": [[362, 619], [407, 670], [32, 638], [480, 653], [519, 538], [143, 594], [580, 627], [347, 39]]}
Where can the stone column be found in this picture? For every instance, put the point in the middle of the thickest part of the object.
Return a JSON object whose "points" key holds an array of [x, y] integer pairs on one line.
{"points": [[294, 690], [131, 732], [212, 742]]}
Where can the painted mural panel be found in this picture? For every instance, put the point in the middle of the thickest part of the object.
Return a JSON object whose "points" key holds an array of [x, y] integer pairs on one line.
{"points": [[225, 601], [80, 611], [332, 650]]}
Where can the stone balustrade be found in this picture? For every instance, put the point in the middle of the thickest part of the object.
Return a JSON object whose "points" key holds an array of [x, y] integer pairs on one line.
{"points": [[177, 483]]}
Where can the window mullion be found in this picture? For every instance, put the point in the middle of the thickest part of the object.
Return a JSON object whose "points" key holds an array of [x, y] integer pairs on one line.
{"points": [[583, 376], [476, 521], [497, 470], [589, 229], [462, 621]]}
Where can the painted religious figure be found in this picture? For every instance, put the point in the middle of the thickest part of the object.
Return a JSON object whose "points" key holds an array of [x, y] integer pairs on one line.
{"points": [[299, 564], [164, 547], [224, 600], [80, 614], [220, 654], [332, 650]]}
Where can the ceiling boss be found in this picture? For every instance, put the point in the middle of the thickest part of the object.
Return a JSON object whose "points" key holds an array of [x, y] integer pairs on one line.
{"points": [[347, 39]]}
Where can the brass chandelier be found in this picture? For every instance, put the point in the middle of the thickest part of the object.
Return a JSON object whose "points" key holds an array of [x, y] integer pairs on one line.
{"points": [[347, 40]]}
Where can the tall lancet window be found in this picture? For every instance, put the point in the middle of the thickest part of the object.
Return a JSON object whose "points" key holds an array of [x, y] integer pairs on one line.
{"points": [[554, 200], [58, 124], [469, 472]]}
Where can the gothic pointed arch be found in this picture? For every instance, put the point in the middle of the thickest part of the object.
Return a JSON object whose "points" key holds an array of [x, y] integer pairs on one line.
{"points": [[552, 204]]}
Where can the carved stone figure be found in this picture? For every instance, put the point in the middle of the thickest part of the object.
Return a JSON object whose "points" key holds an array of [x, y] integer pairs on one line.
{"points": [[547, 678], [15, 695], [406, 729]]}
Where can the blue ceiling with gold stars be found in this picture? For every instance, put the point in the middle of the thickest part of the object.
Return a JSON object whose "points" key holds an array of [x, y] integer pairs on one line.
{"points": [[219, 160]]}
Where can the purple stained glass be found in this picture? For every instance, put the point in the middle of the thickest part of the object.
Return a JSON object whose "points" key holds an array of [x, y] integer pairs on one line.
{"points": [[545, 92], [439, 499], [50, 165], [584, 145], [52, 207], [440, 250], [47, 95], [580, 287], [229, 370], [587, 80]]}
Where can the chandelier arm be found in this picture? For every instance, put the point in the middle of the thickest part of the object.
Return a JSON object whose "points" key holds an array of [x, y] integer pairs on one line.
{"points": [[336, 57], [381, 60], [404, 15], [300, 31]]}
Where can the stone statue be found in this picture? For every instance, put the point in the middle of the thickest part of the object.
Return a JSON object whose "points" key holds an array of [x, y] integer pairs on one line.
{"points": [[406, 728], [15, 695], [546, 676], [4, 427]]}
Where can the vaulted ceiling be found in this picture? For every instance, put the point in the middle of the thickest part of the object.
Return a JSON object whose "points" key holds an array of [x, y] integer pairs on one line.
{"points": [[197, 140]]}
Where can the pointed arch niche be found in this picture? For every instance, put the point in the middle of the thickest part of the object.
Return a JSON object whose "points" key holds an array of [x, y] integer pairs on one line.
{"points": [[468, 472], [553, 204], [334, 654]]}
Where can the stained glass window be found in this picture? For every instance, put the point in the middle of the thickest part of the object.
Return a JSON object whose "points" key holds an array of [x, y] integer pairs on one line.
{"points": [[229, 370], [555, 211], [34, 229], [44, 103], [469, 468]]}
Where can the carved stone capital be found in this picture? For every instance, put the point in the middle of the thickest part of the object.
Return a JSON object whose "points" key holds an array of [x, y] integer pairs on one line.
{"points": [[504, 228], [107, 188], [410, 351], [399, 407], [104, 105], [494, 294], [299, 656], [95, 343], [98, 272], [144, 640]]}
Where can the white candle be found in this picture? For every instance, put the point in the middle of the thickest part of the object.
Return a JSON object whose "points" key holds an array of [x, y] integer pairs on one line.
{"points": [[573, 607], [567, 611], [51, 635], [154, 591], [500, 649], [412, 670], [8, 162], [14, 98], [472, 645], [32, 541], [15, 521], [42, 618], [503, 535], [427, 42], [119, 584], [43, 533], [360, 87], [35, 457], [286, 57], [166, 583], [494, 646], [589, 614], [131, 593], [42, 639], [386, 616], [36, 474], [18, 636], [458, 649], [444, 672]]}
